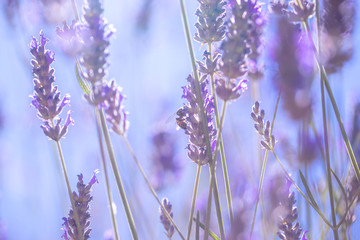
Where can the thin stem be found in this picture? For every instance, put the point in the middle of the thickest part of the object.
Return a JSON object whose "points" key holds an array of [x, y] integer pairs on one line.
{"points": [[213, 184], [212, 161], [333, 102], [196, 185], [108, 190], [301, 192], [75, 10], [76, 215], [222, 150], [150, 186], [327, 157], [117, 174], [263, 168]]}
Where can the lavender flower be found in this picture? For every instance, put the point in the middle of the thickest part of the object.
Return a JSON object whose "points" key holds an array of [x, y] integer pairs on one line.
{"points": [[114, 109], [95, 35], [46, 97], [231, 90], [289, 228], [82, 200], [210, 24], [293, 54], [337, 28], [169, 228], [263, 128], [235, 48], [301, 13], [72, 42], [255, 29], [190, 119], [164, 159]]}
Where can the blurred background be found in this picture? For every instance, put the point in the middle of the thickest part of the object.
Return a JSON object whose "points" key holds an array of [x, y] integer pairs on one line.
{"points": [[149, 59]]}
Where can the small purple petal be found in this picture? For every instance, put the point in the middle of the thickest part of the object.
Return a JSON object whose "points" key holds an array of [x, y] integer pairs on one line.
{"points": [[94, 179]]}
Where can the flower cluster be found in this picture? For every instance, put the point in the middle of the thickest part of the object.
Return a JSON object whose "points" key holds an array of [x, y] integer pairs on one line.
{"points": [[82, 200], [301, 12], [210, 24], [114, 109], [46, 97], [169, 228], [95, 35], [255, 29], [289, 228], [263, 129], [235, 48], [337, 28], [190, 119], [164, 157], [294, 56]]}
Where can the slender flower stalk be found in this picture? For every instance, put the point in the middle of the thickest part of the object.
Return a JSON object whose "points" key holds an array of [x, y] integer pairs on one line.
{"points": [[169, 228], [82, 200], [95, 33], [46, 99]]}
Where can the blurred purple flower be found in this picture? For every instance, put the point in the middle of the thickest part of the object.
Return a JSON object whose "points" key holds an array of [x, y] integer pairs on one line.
{"points": [[293, 54], [210, 25], [82, 200], [169, 228], [2, 231], [255, 29], [191, 121], [229, 91], [301, 13], [72, 42], [234, 47], [337, 28], [164, 157], [46, 97], [95, 34]]}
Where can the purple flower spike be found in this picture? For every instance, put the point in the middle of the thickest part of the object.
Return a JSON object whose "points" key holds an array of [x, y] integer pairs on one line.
{"points": [[190, 119], [169, 228], [210, 24], [231, 90], [46, 97], [289, 228], [95, 34], [82, 200], [114, 109]]}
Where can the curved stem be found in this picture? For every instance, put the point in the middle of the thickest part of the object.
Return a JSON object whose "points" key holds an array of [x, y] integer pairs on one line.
{"points": [[222, 150], [76, 215], [263, 168], [196, 185], [327, 157], [150, 186], [108, 190], [301, 192], [117, 174], [333, 101]]}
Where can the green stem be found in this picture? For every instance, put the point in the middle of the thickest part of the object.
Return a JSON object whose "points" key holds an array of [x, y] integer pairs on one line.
{"points": [[196, 185], [327, 157], [76, 215], [222, 150], [301, 192], [212, 161], [150, 186], [108, 190], [213, 183], [117, 174], [263, 168], [333, 102]]}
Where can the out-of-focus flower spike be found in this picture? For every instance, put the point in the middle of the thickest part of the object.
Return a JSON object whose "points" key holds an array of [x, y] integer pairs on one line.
{"points": [[169, 228]]}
